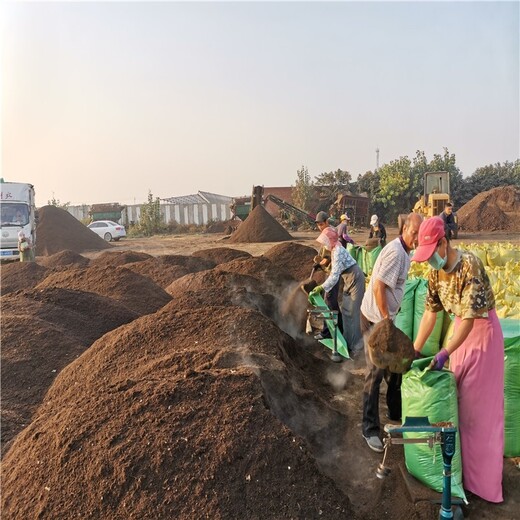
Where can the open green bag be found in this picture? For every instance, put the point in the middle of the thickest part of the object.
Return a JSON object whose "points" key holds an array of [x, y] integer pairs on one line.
{"points": [[432, 394], [431, 347], [511, 331], [405, 316]]}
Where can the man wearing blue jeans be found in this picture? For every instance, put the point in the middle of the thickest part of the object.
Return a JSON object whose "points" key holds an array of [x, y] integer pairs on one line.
{"points": [[382, 301]]}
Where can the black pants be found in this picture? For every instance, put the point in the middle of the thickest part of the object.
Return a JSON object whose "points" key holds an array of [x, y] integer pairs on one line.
{"points": [[331, 299], [373, 378]]}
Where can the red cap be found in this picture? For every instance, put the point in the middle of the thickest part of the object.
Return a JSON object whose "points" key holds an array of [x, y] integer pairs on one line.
{"points": [[430, 232]]}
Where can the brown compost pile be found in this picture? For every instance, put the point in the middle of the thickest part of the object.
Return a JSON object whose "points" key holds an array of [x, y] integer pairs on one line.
{"points": [[58, 230], [125, 401], [497, 209], [260, 226]]}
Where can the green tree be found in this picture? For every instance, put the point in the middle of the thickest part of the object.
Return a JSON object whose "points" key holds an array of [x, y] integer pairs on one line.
{"points": [[303, 190], [368, 184], [150, 221], [57, 203], [397, 188], [333, 183]]}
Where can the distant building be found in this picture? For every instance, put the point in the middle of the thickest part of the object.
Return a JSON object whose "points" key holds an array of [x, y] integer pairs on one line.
{"points": [[199, 209]]}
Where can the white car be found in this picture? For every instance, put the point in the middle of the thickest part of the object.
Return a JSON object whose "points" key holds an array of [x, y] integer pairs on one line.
{"points": [[108, 230]]}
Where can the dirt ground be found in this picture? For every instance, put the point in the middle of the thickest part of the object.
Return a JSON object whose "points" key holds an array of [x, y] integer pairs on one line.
{"points": [[197, 397], [187, 244]]}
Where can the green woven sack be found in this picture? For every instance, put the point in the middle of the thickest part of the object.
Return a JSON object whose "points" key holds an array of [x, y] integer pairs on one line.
{"points": [[405, 316], [432, 394], [511, 331], [353, 250], [371, 257], [431, 347]]}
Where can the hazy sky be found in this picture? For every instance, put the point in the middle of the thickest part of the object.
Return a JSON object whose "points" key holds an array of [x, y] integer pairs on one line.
{"points": [[102, 102]]}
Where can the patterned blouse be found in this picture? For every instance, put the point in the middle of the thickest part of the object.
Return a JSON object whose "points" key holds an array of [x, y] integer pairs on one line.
{"points": [[341, 260], [465, 292]]}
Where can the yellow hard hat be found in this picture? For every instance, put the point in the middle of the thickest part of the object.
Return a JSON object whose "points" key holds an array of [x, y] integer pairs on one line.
{"points": [[344, 217]]}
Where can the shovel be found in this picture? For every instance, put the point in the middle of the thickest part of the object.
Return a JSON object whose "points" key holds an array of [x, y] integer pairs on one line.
{"points": [[310, 284]]}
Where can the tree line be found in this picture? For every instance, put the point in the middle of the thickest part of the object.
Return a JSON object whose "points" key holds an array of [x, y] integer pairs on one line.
{"points": [[395, 187]]}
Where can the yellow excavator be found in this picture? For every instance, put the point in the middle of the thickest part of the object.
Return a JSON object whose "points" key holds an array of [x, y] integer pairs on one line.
{"points": [[436, 196]]}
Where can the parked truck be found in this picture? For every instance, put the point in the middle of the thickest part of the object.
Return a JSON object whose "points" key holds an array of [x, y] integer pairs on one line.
{"points": [[17, 213]]}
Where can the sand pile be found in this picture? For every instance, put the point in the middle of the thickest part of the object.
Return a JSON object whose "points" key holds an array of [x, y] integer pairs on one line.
{"points": [[136, 292], [221, 255], [294, 258], [164, 270], [260, 226], [58, 230], [66, 258], [42, 332], [497, 209], [15, 276]]}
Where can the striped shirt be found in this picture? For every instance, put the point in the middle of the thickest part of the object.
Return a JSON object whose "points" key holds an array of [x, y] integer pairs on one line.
{"points": [[391, 267], [341, 259]]}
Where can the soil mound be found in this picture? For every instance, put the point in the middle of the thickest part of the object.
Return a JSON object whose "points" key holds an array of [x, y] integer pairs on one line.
{"points": [[260, 226], [65, 258], [227, 226], [136, 292], [219, 280], [116, 258], [33, 353], [58, 230], [261, 268], [221, 255], [164, 427], [294, 258], [21, 275], [164, 270], [42, 332], [497, 209]]}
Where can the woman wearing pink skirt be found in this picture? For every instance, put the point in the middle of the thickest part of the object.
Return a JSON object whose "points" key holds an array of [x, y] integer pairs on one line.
{"points": [[458, 283]]}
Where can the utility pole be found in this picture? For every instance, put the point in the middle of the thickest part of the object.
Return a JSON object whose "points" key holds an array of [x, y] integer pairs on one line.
{"points": [[377, 159]]}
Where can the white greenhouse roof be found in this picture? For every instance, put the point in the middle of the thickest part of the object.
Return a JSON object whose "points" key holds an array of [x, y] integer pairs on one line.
{"points": [[202, 197]]}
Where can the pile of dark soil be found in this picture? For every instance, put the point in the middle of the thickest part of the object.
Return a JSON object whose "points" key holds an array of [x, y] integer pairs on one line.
{"points": [[260, 267], [260, 226], [115, 258], [42, 332], [58, 230], [221, 255], [164, 270], [135, 439], [294, 258], [64, 258], [497, 209], [227, 226], [136, 292], [21, 275], [204, 409], [220, 280]]}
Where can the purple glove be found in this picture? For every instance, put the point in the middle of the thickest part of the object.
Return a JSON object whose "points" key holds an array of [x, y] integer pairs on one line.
{"points": [[439, 360]]}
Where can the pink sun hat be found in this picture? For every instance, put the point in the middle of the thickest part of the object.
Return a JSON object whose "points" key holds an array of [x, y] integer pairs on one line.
{"points": [[430, 232]]}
